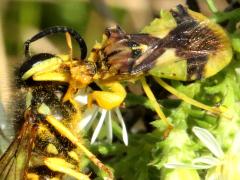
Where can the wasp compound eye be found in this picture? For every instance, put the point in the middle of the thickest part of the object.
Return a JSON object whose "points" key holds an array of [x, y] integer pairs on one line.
{"points": [[31, 61], [55, 30]]}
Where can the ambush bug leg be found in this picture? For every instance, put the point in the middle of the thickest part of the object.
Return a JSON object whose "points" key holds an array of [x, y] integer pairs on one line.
{"points": [[110, 98], [214, 110], [156, 106], [69, 135], [60, 165]]}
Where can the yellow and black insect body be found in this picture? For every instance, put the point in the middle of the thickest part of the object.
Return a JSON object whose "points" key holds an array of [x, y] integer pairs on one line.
{"points": [[39, 149], [24, 159], [181, 45]]}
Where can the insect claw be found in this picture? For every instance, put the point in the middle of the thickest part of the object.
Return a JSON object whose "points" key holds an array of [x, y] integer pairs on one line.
{"points": [[167, 131]]}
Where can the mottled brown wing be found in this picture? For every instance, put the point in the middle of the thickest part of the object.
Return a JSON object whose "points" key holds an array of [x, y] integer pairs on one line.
{"points": [[197, 40], [197, 46], [192, 41], [14, 162]]}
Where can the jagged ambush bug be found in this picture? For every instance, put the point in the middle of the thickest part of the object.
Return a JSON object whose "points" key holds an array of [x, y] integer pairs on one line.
{"points": [[45, 148], [181, 45]]}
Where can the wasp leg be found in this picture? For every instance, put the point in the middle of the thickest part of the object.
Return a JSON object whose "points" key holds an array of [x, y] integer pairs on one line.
{"points": [[112, 96], [60, 165], [77, 115], [32, 176], [156, 106], [189, 100], [71, 90], [70, 136]]}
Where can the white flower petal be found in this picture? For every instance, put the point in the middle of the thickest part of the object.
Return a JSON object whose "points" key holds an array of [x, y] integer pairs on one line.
{"points": [[209, 141], [99, 126], [235, 148], [206, 160], [188, 166], [82, 98], [92, 119], [124, 129], [88, 116], [109, 127]]}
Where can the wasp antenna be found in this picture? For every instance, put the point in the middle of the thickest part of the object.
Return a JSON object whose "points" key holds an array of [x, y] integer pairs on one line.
{"points": [[182, 10], [26, 47], [54, 30]]}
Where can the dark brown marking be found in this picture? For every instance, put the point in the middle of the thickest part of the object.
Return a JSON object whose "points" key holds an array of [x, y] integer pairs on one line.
{"points": [[115, 32], [193, 41], [195, 67], [143, 38], [132, 44], [111, 54], [147, 60], [94, 50]]}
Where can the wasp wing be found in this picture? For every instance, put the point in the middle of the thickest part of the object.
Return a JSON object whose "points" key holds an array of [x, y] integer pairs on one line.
{"points": [[14, 162]]}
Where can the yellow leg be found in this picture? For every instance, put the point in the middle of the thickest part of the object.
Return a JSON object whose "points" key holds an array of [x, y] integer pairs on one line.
{"points": [[77, 115], [51, 76], [185, 98], [69, 135], [156, 106], [32, 176], [71, 90], [112, 96], [60, 165]]}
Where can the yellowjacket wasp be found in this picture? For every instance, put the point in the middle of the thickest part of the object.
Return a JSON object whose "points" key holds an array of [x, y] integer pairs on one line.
{"points": [[188, 48]]}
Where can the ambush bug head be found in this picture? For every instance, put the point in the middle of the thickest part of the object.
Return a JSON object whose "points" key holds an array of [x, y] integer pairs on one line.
{"points": [[111, 37], [115, 54]]}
